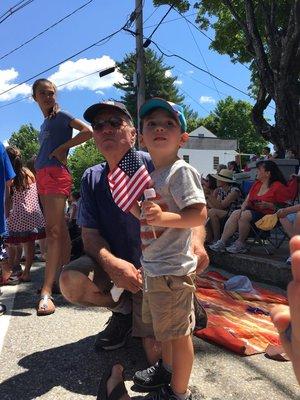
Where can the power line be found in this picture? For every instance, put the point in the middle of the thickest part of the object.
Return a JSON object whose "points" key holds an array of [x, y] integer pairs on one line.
{"points": [[45, 30], [203, 59], [204, 34], [196, 101], [160, 22], [201, 83], [14, 9], [153, 12], [128, 23], [194, 25], [167, 22], [199, 68]]}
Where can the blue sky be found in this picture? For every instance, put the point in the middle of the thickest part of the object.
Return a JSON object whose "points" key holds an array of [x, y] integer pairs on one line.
{"points": [[87, 26]]}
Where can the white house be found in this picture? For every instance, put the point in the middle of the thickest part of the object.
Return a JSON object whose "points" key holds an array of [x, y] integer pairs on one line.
{"points": [[205, 151]]}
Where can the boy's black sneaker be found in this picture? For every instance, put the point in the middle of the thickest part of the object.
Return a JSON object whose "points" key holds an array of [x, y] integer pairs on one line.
{"points": [[153, 377], [164, 393], [114, 336], [2, 309]]}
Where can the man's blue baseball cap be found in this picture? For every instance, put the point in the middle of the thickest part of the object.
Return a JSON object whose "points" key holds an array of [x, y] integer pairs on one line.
{"points": [[157, 102]]}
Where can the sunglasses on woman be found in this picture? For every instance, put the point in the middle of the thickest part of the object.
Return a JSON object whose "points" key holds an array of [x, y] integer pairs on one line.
{"points": [[115, 122]]}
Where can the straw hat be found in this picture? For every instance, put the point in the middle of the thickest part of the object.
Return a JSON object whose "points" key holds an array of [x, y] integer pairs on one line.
{"points": [[224, 175]]}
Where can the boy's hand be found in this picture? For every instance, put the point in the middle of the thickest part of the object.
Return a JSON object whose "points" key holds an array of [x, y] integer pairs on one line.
{"points": [[60, 154], [152, 212]]}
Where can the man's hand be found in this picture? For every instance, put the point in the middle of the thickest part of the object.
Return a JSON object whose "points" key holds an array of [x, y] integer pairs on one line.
{"points": [[203, 259], [125, 275], [152, 212], [197, 248], [60, 154]]}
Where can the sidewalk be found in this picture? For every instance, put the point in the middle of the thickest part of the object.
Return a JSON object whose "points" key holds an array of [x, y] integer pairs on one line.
{"points": [[52, 358]]}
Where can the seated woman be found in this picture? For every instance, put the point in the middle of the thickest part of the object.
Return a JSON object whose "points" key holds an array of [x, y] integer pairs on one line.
{"points": [[222, 203], [268, 191], [233, 166]]}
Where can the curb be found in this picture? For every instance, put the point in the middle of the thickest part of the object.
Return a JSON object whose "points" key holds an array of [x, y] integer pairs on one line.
{"points": [[256, 268]]}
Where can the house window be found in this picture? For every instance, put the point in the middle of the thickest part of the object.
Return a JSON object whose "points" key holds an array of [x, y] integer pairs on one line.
{"points": [[216, 162], [186, 158]]}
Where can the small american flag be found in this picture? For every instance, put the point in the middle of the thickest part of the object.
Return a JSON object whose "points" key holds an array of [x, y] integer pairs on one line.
{"points": [[128, 180]]}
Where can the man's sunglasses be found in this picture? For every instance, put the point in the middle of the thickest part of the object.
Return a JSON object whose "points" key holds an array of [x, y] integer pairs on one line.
{"points": [[115, 122]]}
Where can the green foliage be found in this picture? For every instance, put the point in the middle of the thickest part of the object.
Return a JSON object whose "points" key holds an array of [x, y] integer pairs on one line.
{"points": [[26, 139], [232, 120], [83, 157], [181, 5], [192, 118], [157, 84]]}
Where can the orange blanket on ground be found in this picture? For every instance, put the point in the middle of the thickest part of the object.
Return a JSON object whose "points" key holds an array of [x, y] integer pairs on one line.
{"points": [[229, 322]]}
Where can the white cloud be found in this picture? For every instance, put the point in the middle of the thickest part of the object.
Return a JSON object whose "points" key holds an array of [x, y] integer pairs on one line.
{"points": [[68, 71], [190, 72], [207, 99], [7, 81], [168, 73], [71, 70], [178, 82]]}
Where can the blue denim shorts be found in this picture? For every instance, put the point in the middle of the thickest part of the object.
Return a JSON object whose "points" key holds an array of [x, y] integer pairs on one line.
{"points": [[256, 215], [292, 217]]}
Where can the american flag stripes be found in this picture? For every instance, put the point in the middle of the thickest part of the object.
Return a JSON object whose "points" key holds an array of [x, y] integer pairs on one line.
{"points": [[128, 180]]}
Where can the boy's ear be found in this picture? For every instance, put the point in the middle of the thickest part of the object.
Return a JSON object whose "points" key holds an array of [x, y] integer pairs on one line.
{"points": [[141, 140], [184, 138]]}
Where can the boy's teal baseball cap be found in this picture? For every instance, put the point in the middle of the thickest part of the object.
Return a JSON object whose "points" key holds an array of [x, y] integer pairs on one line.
{"points": [[157, 102]]}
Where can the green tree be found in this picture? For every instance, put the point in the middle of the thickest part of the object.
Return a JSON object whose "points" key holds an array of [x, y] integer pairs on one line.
{"points": [[266, 35], [192, 118], [158, 83], [26, 139], [83, 157], [232, 120]]}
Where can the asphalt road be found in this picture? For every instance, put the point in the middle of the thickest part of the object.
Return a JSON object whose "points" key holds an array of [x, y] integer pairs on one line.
{"points": [[52, 357]]}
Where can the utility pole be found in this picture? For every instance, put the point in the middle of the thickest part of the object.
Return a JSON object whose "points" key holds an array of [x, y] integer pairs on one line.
{"points": [[140, 73]]}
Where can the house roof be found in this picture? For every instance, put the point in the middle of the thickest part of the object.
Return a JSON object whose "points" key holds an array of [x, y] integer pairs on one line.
{"points": [[202, 132]]}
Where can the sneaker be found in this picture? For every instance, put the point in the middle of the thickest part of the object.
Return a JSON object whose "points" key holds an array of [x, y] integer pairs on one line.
{"points": [[153, 377], [164, 393], [237, 247], [218, 246], [12, 280], [288, 261], [2, 309], [17, 270], [114, 336]]}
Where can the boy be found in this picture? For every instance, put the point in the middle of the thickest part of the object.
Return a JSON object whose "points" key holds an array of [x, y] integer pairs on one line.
{"points": [[169, 266], [6, 175]]}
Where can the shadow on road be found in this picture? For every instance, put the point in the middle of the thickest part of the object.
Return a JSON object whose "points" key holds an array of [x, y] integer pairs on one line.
{"points": [[75, 367]]}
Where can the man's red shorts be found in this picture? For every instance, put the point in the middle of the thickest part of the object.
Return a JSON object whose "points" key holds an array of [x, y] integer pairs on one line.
{"points": [[54, 180]]}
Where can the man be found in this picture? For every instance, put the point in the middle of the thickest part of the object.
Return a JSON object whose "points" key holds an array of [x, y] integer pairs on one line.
{"points": [[111, 238]]}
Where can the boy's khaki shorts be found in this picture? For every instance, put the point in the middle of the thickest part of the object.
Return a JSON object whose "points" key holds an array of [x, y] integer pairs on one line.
{"points": [[168, 304]]}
